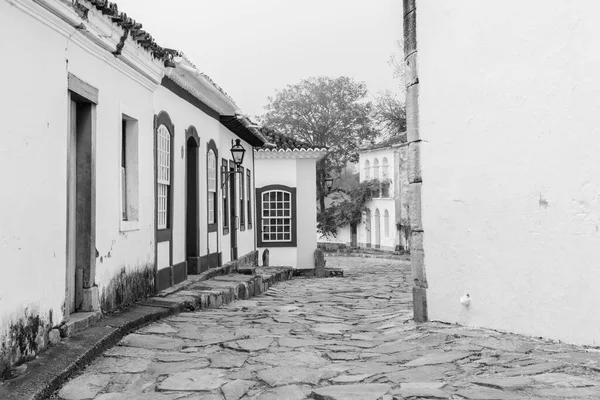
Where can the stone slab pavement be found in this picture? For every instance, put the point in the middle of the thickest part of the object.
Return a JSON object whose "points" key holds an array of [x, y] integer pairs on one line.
{"points": [[334, 339]]}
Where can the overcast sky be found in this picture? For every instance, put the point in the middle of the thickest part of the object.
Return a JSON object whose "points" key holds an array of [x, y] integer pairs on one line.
{"points": [[251, 48]]}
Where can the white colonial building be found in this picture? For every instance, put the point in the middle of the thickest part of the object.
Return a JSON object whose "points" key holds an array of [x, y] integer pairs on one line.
{"points": [[384, 225], [385, 218], [119, 160], [286, 191]]}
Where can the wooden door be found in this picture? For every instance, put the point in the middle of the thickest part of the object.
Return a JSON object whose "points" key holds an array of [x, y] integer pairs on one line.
{"points": [[233, 221]]}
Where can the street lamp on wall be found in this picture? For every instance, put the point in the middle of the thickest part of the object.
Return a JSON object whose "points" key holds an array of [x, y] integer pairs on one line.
{"points": [[237, 153], [328, 182]]}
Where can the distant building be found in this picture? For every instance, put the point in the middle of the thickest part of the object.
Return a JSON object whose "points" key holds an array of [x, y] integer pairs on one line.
{"points": [[383, 222], [286, 192], [384, 225]]}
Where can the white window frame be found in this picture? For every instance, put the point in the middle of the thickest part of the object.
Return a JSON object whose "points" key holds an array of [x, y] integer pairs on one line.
{"points": [[267, 217], [163, 175], [129, 176], [211, 185]]}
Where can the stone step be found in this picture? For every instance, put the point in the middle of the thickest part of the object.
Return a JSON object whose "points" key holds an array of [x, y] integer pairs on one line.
{"points": [[212, 290]]}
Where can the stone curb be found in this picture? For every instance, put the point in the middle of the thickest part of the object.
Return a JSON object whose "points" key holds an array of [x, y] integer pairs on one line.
{"points": [[405, 257], [52, 368]]}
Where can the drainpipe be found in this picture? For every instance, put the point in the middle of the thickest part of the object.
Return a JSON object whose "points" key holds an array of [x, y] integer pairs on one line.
{"points": [[417, 255]]}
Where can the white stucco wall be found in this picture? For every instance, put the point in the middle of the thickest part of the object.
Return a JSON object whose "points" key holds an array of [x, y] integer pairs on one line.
{"points": [[33, 152], [510, 164], [301, 174], [307, 211], [30, 134], [183, 115]]}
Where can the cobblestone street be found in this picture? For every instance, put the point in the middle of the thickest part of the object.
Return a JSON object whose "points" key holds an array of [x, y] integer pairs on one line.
{"points": [[335, 338]]}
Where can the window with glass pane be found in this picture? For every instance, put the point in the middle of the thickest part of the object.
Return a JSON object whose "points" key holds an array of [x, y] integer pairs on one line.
{"points": [[276, 216], [367, 170], [384, 176], [212, 186], [163, 175]]}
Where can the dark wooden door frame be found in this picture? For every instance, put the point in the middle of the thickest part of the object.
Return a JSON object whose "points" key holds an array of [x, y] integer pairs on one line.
{"points": [[192, 201], [164, 278], [233, 218], [83, 99]]}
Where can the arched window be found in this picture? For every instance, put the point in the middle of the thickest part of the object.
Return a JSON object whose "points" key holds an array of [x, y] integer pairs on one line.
{"points": [[368, 227], [277, 210], [385, 192], [367, 170], [211, 178], [164, 171], [376, 169], [386, 223], [377, 228]]}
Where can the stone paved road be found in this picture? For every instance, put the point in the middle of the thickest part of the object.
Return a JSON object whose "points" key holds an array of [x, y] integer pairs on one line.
{"points": [[335, 338]]}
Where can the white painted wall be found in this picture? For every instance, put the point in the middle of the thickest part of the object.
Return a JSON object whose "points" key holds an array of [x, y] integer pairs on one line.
{"points": [[510, 167], [184, 114], [33, 154], [301, 174], [306, 194]]}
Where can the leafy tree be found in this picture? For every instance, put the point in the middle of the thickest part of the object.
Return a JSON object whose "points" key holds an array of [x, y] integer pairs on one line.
{"points": [[324, 112], [389, 108], [390, 113], [350, 210]]}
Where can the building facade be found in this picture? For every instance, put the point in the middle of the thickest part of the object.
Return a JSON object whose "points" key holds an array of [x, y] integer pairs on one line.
{"points": [[508, 184], [384, 222], [286, 192], [115, 193]]}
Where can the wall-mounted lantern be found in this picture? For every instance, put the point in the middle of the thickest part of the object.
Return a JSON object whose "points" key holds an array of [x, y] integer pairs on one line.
{"points": [[237, 153], [328, 182]]}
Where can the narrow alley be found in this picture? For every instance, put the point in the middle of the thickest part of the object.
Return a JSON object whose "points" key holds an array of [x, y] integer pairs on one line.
{"points": [[334, 338]]}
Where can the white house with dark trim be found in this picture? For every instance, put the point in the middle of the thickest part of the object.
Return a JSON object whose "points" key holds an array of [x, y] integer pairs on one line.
{"points": [[119, 159], [286, 192], [203, 200]]}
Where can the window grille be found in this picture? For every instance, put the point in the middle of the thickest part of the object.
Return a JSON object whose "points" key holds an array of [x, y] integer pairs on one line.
{"points": [[212, 185], [276, 216], [163, 176]]}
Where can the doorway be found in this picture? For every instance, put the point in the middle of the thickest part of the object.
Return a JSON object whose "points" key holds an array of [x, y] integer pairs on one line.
{"points": [[377, 229], [353, 234], [192, 217], [368, 229], [81, 204], [234, 221]]}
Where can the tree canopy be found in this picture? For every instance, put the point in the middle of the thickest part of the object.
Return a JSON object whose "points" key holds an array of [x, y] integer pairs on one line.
{"points": [[327, 112]]}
